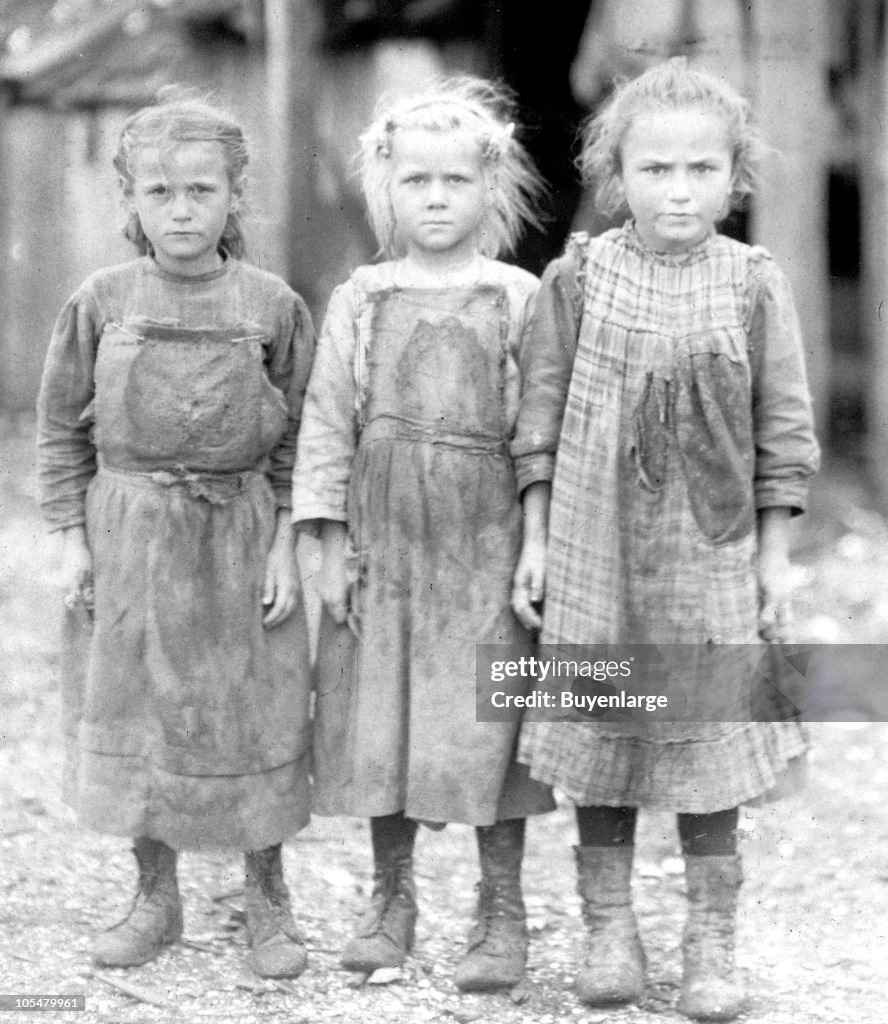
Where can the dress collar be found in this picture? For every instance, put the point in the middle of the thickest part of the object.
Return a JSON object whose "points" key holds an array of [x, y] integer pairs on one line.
{"points": [[211, 275], [633, 241]]}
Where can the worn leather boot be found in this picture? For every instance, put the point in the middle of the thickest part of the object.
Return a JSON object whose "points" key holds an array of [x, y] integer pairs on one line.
{"points": [[385, 931], [276, 946], [614, 961], [497, 947], [711, 987], [155, 918]]}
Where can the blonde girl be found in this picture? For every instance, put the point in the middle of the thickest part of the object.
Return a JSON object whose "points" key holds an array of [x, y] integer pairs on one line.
{"points": [[404, 470], [668, 375], [168, 417]]}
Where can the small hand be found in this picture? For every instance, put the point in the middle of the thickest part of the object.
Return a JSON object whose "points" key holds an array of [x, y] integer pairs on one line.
{"points": [[333, 586], [77, 570], [280, 592], [775, 610], [528, 584]]}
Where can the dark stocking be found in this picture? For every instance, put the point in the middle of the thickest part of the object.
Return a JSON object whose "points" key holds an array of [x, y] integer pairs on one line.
{"points": [[606, 826], [390, 833], [709, 835]]}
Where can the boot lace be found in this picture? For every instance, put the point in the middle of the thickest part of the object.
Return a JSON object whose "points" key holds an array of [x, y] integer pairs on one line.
{"points": [[390, 900]]}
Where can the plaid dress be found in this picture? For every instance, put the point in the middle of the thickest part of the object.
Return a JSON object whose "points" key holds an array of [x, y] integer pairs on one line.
{"points": [[673, 388]]}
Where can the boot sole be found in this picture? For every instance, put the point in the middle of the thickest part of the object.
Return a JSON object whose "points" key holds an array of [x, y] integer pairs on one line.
{"points": [[610, 999], [369, 966], [384, 959], [100, 961], [170, 938], [716, 1015], [487, 985]]}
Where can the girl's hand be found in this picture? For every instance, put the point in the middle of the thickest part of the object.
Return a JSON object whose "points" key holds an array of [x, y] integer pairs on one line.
{"points": [[77, 570], [775, 613], [529, 580], [775, 610], [333, 581], [333, 586], [528, 583], [280, 592]]}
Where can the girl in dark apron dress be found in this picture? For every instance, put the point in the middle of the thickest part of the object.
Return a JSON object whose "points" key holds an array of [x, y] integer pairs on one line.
{"points": [[168, 417], [405, 471]]}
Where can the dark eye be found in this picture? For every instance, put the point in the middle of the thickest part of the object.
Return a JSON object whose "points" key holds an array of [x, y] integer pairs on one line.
{"points": [[157, 190], [457, 179], [654, 170]]}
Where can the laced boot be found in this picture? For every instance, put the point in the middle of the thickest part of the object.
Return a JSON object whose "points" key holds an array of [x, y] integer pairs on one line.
{"points": [[711, 988], [276, 946], [385, 930], [497, 947], [614, 962], [155, 917]]}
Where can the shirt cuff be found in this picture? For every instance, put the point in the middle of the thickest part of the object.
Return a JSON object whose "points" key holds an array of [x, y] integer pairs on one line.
{"points": [[65, 514], [304, 510], [533, 468], [789, 493]]}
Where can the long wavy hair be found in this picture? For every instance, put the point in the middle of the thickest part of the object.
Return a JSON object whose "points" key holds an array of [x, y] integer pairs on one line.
{"points": [[180, 116], [671, 85]]}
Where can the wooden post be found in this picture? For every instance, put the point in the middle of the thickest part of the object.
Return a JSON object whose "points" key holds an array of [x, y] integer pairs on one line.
{"points": [[874, 241], [790, 211], [292, 33], [5, 283], [36, 271]]}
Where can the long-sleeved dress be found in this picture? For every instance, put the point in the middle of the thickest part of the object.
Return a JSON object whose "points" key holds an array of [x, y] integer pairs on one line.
{"points": [[673, 389], [408, 417], [168, 418]]}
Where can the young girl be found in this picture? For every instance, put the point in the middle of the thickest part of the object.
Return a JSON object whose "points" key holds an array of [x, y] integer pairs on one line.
{"points": [[168, 417], [668, 372], [404, 468]]}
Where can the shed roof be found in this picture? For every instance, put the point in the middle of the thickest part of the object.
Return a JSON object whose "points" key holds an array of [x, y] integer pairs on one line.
{"points": [[89, 53]]}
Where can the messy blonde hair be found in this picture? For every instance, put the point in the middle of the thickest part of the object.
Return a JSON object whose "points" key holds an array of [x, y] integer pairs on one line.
{"points": [[179, 115], [484, 111], [671, 85]]}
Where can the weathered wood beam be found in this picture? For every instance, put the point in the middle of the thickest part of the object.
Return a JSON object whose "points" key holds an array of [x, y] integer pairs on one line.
{"points": [[292, 59], [873, 113], [791, 207]]}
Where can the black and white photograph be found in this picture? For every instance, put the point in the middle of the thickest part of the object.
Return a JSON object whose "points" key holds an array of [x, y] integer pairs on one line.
{"points": [[444, 511]]}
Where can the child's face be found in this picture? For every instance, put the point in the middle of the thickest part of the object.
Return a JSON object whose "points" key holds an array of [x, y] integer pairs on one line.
{"points": [[437, 192], [183, 199], [677, 173]]}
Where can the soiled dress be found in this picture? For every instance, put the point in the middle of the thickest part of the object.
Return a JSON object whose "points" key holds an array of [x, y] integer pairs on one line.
{"points": [[408, 417], [168, 417], [673, 389]]}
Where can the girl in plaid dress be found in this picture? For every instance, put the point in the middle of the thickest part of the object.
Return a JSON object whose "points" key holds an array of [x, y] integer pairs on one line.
{"points": [[404, 468], [667, 370]]}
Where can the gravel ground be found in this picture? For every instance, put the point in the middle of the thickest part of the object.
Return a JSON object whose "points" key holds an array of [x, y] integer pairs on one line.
{"points": [[812, 923]]}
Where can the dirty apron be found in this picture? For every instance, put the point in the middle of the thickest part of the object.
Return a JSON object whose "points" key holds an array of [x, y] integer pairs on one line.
{"points": [[435, 527], [186, 720], [652, 530]]}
